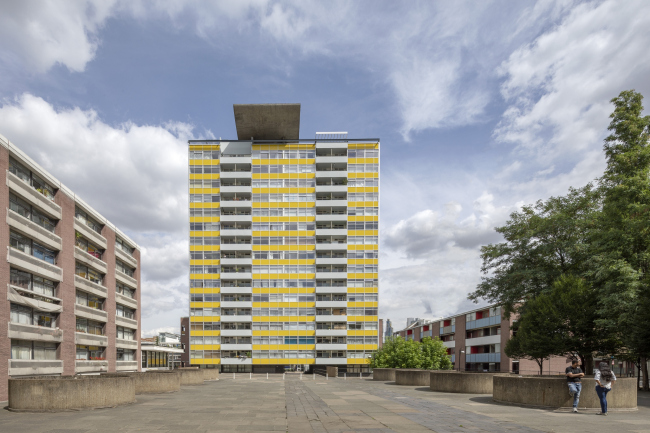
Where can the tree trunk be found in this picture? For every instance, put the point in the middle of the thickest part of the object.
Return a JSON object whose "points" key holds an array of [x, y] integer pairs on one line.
{"points": [[541, 366], [638, 373], [644, 366], [588, 364]]}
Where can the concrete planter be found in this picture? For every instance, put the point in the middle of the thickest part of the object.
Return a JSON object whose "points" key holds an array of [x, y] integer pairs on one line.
{"points": [[55, 394], [210, 373], [191, 376], [461, 382], [553, 392], [384, 374], [412, 377], [152, 382]]}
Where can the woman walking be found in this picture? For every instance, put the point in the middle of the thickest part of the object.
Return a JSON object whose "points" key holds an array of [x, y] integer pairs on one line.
{"points": [[604, 379]]}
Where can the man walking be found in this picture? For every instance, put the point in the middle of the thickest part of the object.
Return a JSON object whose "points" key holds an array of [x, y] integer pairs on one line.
{"points": [[573, 375]]}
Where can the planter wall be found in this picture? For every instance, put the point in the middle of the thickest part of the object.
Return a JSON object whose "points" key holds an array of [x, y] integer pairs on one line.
{"points": [[553, 392], [210, 373], [412, 377], [54, 394], [332, 371], [384, 374], [191, 376], [461, 382], [153, 382]]}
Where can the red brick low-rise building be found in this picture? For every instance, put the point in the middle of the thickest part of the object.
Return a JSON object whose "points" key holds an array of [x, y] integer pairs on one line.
{"points": [[476, 341], [69, 280]]}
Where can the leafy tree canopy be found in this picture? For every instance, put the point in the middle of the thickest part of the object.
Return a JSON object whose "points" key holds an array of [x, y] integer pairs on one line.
{"points": [[397, 352]]}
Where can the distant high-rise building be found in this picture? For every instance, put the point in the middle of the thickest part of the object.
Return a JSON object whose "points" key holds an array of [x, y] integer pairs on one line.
{"points": [[389, 329], [284, 246]]}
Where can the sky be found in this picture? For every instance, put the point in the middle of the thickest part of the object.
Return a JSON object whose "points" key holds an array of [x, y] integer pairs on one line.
{"points": [[481, 108]]}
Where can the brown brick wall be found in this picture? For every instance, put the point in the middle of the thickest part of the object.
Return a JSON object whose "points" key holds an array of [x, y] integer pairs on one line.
{"points": [[506, 333], [66, 289], [138, 293], [459, 337], [185, 339], [109, 282], [5, 343]]}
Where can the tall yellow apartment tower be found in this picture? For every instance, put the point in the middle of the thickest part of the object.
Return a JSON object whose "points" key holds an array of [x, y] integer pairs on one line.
{"points": [[284, 246]]}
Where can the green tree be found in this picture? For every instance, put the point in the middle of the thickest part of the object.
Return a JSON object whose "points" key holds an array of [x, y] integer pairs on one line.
{"points": [[537, 333], [434, 355], [541, 242], [396, 352], [622, 242]]}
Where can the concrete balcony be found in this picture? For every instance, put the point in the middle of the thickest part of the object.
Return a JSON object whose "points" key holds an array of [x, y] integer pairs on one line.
{"points": [[236, 304], [331, 332], [26, 192], [331, 361], [483, 357], [126, 366], [21, 331], [90, 234], [90, 287], [331, 145], [227, 218], [332, 304], [32, 264], [331, 188], [327, 247], [235, 175], [16, 294], [236, 203], [331, 203], [236, 333], [448, 330], [331, 318], [236, 232], [125, 257], [91, 366], [91, 339], [125, 279], [449, 343], [331, 261], [236, 318], [126, 344], [90, 261], [225, 159], [331, 275], [33, 230], [330, 159], [125, 300], [35, 367], [236, 188], [236, 247], [331, 346], [483, 341], [90, 313], [236, 361], [331, 217], [236, 276], [126, 322], [242, 290], [331, 289], [247, 261], [236, 347], [336, 173], [331, 232]]}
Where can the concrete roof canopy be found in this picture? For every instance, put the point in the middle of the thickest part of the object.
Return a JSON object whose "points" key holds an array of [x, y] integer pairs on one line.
{"points": [[267, 121]]}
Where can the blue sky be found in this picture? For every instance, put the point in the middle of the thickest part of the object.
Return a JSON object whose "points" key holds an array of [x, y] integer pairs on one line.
{"points": [[480, 106]]}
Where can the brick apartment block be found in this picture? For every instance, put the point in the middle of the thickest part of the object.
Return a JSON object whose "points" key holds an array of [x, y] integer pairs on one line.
{"points": [[69, 280]]}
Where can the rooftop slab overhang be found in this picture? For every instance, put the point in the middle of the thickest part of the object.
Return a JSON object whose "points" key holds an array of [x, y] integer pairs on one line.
{"points": [[267, 121]]}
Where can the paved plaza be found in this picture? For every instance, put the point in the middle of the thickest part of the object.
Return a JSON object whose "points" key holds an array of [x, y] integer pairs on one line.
{"points": [[322, 406]]}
